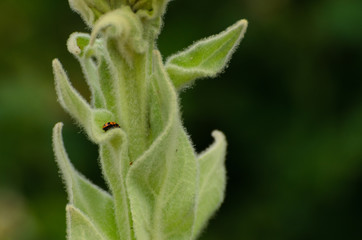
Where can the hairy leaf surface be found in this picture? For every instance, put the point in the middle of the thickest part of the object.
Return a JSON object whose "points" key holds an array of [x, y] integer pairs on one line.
{"points": [[162, 182], [205, 58], [94, 202], [212, 181]]}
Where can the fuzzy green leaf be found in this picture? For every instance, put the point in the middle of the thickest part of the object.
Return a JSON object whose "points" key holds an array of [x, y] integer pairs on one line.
{"points": [[87, 197], [90, 119], [98, 71], [205, 58], [78, 45], [162, 182], [212, 181], [80, 227], [69, 98]]}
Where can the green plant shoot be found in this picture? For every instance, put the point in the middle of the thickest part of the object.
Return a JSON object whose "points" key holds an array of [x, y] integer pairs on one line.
{"points": [[159, 187]]}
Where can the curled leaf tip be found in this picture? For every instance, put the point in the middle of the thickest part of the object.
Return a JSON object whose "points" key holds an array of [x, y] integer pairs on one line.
{"points": [[243, 22], [59, 125], [218, 134], [55, 63], [77, 42]]}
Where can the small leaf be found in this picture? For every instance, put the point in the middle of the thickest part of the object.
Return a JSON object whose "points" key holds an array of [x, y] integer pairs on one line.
{"points": [[78, 45], [87, 197], [80, 227], [212, 181], [162, 182], [98, 70], [151, 9], [90, 10], [205, 58], [90, 119]]}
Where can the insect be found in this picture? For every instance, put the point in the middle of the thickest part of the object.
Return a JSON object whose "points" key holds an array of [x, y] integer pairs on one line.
{"points": [[110, 125]]}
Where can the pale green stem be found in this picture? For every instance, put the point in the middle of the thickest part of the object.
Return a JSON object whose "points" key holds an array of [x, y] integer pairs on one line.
{"points": [[133, 84], [114, 162]]}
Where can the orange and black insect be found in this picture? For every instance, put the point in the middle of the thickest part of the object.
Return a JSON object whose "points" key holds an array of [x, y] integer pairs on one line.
{"points": [[110, 125]]}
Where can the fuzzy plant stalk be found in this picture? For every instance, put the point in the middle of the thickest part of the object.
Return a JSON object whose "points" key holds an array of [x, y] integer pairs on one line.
{"points": [[159, 188]]}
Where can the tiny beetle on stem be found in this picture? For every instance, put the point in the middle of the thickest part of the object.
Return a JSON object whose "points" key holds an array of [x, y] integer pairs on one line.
{"points": [[110, 125]]}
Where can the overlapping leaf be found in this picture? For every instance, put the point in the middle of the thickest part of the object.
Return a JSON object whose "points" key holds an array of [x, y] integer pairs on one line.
{"points": [[162, 183], [212, 181], [80, 227]]}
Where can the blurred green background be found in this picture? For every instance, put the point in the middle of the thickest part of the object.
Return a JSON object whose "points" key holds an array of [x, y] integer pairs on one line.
{"points": [[290, 104]]}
